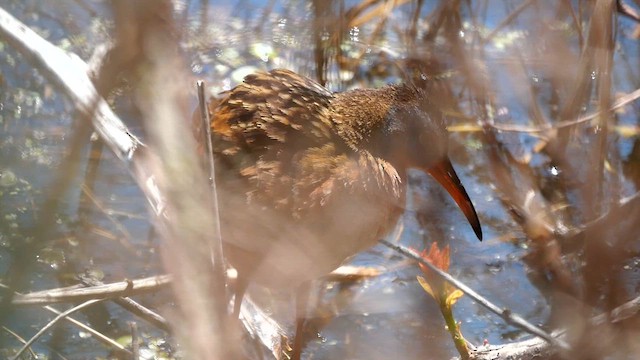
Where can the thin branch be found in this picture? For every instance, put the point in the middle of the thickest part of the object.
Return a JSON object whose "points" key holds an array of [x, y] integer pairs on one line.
{"points": [[96, 334], [216, 240], [106, 291], [53, 322], [620, 102], [134, 307], [22, 340], [506, 314]]}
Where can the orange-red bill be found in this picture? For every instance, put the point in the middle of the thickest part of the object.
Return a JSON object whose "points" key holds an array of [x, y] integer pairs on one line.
{"points": [[444, 173]]}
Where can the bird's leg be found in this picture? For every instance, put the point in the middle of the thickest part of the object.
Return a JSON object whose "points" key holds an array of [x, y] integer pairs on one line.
{"points": [[245, 271], [302, 299], [397, 231], [242, 283]]}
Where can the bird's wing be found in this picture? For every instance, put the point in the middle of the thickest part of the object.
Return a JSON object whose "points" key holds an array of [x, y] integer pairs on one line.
{"points": [[275, 131], [270, 108]]}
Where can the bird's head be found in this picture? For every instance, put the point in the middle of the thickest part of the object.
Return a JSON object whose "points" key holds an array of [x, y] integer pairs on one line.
{"points": [[399, 124]]}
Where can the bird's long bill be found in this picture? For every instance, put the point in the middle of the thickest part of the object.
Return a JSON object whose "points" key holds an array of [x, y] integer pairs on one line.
{"points": [[444, 173]]}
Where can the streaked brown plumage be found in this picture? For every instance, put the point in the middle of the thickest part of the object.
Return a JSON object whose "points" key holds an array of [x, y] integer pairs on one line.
{"points": [[308, 178]]}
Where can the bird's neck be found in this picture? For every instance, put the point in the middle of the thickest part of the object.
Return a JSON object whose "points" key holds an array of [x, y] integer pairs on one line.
{"points": [[361, 116], [359, 113]]}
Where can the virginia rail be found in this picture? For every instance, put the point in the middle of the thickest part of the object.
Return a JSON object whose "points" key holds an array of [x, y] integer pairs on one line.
{"points": [[308, 178]]}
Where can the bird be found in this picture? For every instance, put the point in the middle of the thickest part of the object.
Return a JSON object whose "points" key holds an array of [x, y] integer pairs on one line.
{"points": [[307, 178]]}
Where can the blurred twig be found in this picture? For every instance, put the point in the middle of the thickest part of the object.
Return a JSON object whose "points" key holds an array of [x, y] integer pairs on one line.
{"points": [[627, 11], [215, 243], [523, 5], [203, 327]]}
